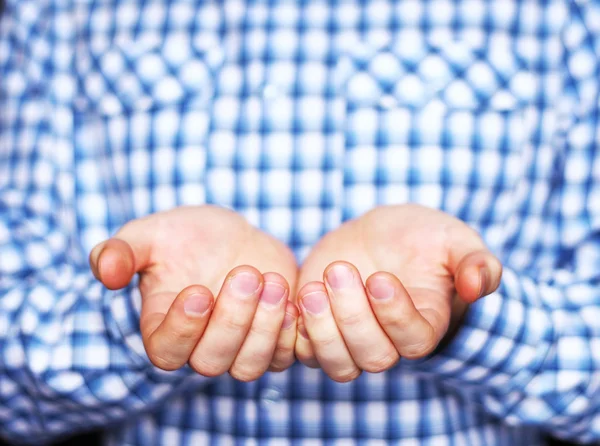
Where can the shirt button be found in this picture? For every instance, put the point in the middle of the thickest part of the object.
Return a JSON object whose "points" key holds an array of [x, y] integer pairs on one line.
{"points": [[387, 101], [270, 396]]}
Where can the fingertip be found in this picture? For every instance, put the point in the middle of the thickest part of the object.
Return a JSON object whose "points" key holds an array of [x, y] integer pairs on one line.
{"points": [[291, 316], [494, 267], [304, 351], [341, 263], [115, 264], [311, 287], [275, 292], [470, 283], [195, 289], [243, 281], [302, 329], [478, 274], [305, 354], [284, 355], [484, 281], [240, 269], [276, 278], [93, 258], [310, 362], [292, 310], [382, 286], [340, 274], [170, 338], [196, 301]]}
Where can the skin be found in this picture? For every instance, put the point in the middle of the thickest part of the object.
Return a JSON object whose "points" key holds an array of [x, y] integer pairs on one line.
{"points": [[407, 276], [422, 269], [215, 290]]}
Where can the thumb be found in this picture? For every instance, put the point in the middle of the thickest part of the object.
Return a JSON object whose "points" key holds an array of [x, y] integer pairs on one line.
{"points": [[477, 272], [116, 260]]}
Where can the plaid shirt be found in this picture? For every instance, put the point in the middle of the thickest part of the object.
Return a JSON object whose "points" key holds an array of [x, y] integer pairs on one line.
{"points": [[301, 115]]}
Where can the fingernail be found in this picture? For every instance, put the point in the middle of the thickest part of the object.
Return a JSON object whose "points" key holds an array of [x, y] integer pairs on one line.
{"points": [[303, 332], [380, 288], [340, 276], [272, 293], [288, 321], [197, 304], [245, 284], [98, 256], [96, 251], [314, 302], [483, 280]]}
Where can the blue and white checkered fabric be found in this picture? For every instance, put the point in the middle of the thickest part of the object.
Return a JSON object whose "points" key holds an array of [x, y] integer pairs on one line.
{"points": [[300, 115]]}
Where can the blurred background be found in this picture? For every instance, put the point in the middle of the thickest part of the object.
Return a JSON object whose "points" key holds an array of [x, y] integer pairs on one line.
{"points": [[93, 439]]}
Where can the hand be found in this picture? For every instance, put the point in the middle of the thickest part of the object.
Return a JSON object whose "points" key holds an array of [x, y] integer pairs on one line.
{"points": [[184, 256], [416, 260]]}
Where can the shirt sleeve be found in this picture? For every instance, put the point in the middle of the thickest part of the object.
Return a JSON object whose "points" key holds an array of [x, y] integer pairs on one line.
{"points": [[530, 353], [71, 355]]}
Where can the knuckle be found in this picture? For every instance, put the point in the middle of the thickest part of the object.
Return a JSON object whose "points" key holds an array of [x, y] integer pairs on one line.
{"points": [[204, 367], [161, 362], [326, 341], [351, 319], [345, 376], [184, 332], [280, 364], [282, 359], [160, 355], [307, 358], [311, 363], [244, 373], [264, 331], [381, 363], [393, 320], [418, 350], [428, 343], [284, 351], [259, 357], [234, 323]]}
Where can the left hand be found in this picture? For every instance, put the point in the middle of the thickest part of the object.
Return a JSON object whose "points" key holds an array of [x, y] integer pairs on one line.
{"points": [[417, 261]]}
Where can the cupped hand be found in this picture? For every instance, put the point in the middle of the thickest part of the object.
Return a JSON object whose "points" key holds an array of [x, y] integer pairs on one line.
{"points": [[416, 261], [187, 256]]}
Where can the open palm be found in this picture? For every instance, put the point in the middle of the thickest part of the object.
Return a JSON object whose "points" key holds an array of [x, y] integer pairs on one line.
{"points": [[202, 252], [422, 258]]}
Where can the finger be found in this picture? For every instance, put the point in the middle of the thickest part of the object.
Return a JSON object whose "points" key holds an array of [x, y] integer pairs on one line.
{"points": [[478, 274], [257, 351], [368, 344], [303, 349], [116, 260], [414, 333], [326, 340], [284, 352], [113, 263], [93, 258], [476, 270], [229, 323], [170, 339]]}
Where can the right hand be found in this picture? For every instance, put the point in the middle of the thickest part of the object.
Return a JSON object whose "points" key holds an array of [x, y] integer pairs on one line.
{"points": [[185, 257]]}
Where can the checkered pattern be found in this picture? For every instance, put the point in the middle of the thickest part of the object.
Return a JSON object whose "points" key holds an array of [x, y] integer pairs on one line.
{"points": [[300, 115]]}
